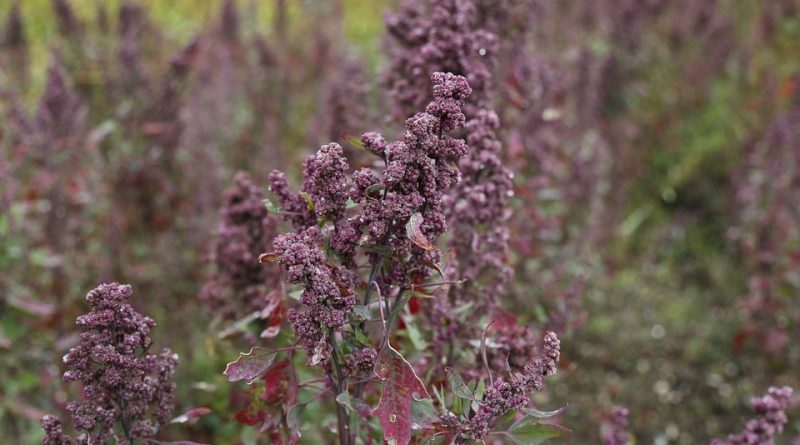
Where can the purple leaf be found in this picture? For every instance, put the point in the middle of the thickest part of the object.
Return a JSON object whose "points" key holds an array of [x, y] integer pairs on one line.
{"points": [[250, 366]]}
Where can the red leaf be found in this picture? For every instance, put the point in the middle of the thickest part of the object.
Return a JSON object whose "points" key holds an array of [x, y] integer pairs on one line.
{"points": [[275, 311], [275, 383], [400, 385], [250, 366], [413, 305], [249, 416], [414, 233], [504, 319], [274, 300]]}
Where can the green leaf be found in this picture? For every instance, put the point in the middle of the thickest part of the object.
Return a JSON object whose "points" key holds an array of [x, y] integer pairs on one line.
{"points": [[415, 336], [295, 294], [309, 201], [344, 400], [530, 432], [423, 413], [271, 207], [294, 417], [505, 421], [480, 390], [542, 414], [373, 188], [458, 386], [362, 312]]}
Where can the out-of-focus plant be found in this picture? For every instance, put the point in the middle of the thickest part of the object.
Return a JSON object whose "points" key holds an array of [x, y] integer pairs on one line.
{"points": [[768, 230]]}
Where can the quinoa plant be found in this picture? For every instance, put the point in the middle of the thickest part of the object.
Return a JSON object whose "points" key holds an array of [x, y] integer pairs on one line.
{"points": [[127, 392], [364, 244]]}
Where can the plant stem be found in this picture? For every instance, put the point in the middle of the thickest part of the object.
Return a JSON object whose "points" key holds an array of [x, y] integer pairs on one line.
{"points": [[342, 416]]}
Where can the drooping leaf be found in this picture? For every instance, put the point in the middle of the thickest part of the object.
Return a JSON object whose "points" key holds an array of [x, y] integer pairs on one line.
{"points": [[344, 400], [293, 419], [374, 188], [458, 386], [319, 352], [191, 415], [542, 414], [414, 232], [529, 431], [239, 325], [31, 306], [269, 257], [250, 366], [506, 420], [275, 311], [274, 301], [354, 140], [271, 207], [309, 201], [400, 386]]}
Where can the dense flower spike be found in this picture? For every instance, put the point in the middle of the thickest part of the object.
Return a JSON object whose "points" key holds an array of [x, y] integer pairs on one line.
{"points": [[294, 207], [14, 35], [53, 432], [505, 396], [617, 432], [447, 40], [240, 284], [329, 301], [127, 392], [58, 110], [450, 36], [326, 181], [769, 421], [399, 212]]}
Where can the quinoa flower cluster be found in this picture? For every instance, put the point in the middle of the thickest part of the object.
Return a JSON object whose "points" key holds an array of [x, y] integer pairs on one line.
{"points": [[617, 432], [128, 393], [240, 284], [397, 216], [505, 396], [769, 421]]}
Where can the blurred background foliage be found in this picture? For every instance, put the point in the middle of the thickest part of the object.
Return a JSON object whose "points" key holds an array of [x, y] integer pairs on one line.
{"points": [[663, 328]]}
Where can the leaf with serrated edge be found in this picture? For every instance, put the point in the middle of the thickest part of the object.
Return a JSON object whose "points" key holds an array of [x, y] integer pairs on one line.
{"points": [[250, 366], [458, 386], [400, 384]]}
